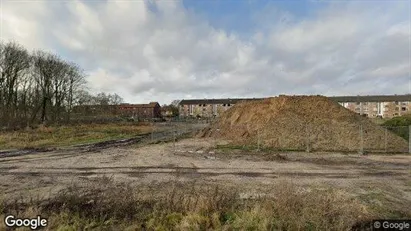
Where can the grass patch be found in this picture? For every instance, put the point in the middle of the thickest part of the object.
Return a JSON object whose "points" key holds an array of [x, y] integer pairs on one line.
{"points": [[69, 135], [179, 206], [382, 204], [254, 148], [228, 147], [399, 125], [378, 121]]}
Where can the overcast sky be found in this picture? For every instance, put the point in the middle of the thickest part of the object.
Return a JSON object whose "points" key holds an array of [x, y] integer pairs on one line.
{"points": [[166, 50]]}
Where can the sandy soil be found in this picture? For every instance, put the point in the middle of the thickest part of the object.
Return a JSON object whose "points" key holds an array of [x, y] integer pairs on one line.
{"points": [[195, 160]]}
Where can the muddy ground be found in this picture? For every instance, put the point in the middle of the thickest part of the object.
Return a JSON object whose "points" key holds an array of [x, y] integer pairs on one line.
{"points": [[369, 177]]}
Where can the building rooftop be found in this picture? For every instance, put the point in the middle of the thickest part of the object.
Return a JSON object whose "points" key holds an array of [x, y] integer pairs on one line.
{"points": [[372, 98], [215, 101], [149, 105], [363, 98]]}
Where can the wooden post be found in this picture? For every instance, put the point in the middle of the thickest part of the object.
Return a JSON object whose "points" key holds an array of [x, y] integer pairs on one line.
{"points": [[361, 140], [409, 139], [385, 140]]}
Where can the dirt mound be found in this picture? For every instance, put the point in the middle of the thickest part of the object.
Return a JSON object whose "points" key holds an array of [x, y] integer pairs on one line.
{"points": [[301, 122]]}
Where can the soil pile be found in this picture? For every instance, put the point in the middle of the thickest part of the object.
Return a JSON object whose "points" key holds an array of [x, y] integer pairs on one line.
{"points": [[301, 122]]}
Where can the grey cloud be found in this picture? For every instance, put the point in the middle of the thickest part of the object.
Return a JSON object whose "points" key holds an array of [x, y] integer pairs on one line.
{"points": [[161, 51]]}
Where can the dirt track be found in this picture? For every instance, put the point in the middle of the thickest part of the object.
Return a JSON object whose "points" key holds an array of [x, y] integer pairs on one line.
{"points": [[194, 160]]}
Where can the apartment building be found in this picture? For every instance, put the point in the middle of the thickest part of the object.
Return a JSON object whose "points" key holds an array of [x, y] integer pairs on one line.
{"points": [[207, 107], [385, 106]]}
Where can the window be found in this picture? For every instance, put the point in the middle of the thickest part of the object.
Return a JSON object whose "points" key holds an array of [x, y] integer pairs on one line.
{"points": [[396, 102], [358, 103], [191, 109], [403, 109], [204, 105], [229, 105], [199, 105], [223, 105]]}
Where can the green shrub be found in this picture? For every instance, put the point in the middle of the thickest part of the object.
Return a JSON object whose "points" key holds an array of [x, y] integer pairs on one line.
{"points": [[399, 125]]}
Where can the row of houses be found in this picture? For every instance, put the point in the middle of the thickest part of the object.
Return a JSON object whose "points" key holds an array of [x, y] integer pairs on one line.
{"points": [[384, 106], [141, 111], [207, 107]]}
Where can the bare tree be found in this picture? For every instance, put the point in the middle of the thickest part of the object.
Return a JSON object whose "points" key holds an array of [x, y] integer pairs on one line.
{"points": [[115, 99], [83, 97], [58, 81], [14, 61], [76, 79], [102, 99], [42, 87], [45, 66]]}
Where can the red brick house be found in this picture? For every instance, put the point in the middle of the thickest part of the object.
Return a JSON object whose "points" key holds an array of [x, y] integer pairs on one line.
{"points": [[151, 110], [140, 111]]}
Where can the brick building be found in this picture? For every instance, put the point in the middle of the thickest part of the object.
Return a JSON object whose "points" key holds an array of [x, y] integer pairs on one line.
{"points": [[150, 110], [386, 106], [141, 111], [207, 107]]}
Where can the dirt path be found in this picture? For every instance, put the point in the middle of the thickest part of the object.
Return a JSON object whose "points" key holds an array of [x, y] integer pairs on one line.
{"points": [[195, 160], [161, 132]]}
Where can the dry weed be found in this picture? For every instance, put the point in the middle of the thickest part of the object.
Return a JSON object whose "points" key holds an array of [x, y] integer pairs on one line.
{"points": [[109, 206]]}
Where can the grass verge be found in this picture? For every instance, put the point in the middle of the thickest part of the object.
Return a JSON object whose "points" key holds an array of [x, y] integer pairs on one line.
{"points": [[69, 135], [178, 206]]}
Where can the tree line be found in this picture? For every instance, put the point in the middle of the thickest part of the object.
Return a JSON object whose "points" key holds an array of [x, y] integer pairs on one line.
{"points": [[41, 87]]}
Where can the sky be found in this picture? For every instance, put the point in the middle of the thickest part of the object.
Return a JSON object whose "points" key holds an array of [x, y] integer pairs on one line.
{"points": [[146, 50]]}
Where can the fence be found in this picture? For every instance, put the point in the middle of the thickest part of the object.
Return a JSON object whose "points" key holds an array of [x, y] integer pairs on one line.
{"points": [[310, 138], [191, 120], [286, 137], [81, 118], [171, 131]]}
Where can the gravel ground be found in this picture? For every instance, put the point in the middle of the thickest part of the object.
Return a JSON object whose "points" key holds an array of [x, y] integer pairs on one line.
{"points": [[44, 173]]}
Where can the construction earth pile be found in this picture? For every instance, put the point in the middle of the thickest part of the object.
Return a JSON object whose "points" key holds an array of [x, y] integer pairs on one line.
{"points": [[301, 123]]}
